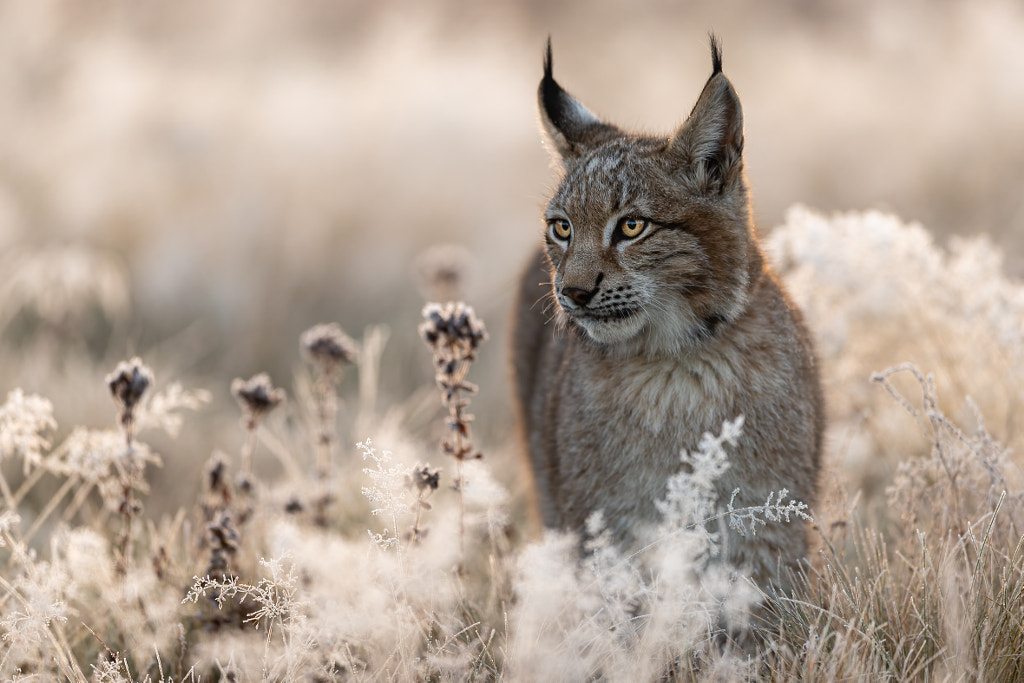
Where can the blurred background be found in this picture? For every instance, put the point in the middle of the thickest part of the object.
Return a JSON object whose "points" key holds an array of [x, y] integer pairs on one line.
{"points": [[200, 182]]}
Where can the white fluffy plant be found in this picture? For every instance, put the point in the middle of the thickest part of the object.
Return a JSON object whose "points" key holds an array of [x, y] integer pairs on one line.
{"points": [[383, 607], [876, 291], [662, 610]]}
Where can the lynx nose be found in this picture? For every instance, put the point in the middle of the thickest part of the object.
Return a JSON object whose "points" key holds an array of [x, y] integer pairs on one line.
{"points": [[581, 296]]}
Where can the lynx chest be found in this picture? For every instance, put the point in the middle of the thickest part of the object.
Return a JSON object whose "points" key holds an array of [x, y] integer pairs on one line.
{"points": [[621, 426]]}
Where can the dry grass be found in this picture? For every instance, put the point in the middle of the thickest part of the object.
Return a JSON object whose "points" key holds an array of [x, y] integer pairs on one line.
{"points": [[197, 183], [291, 577]]}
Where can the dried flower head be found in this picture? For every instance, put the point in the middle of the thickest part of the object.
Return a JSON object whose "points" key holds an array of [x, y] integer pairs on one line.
{"points": [[223, 545], [424, 478], [452, 330], [216, 473], [328, 347], [128, 383], [257, 396], [441, 270]]}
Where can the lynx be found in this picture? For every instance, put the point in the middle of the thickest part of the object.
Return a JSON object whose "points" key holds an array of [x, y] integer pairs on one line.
{"points": [[662, 320]]}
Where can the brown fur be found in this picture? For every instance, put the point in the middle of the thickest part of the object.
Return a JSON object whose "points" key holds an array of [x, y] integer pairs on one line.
{"points": [[673, 332]]}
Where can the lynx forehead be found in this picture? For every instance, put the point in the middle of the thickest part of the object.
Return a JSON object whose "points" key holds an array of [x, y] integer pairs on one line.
{"points": [[662, 321]]}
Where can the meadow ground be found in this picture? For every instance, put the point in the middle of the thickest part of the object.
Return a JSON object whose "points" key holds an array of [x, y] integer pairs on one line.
{"points": [[369, 563], [198, 186]]}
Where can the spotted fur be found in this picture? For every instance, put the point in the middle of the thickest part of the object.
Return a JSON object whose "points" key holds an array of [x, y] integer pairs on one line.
{"points": [[627, 350]]}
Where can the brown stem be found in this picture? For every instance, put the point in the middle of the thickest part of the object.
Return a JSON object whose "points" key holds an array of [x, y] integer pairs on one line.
{"points": [[127, 512], [249, 449], [416, 522], [8, 496], [51, 506], [27, 485], [455, 416], [81, 495], [326, 411]]}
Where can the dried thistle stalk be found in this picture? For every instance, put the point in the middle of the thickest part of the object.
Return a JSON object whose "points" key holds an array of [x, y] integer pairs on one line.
{"points": [[329, 350], [128, 383], [257, 396], [453, 332]]}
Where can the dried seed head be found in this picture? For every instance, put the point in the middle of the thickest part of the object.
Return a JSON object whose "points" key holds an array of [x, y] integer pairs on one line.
{"points": [[441, 270], [328, 347], [128, 382], [257, 396], [452, 329], [216, 471], [424, 477]]}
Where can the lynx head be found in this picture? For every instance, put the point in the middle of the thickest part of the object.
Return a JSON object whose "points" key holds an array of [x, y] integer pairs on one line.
{"points": [[649, 238]]}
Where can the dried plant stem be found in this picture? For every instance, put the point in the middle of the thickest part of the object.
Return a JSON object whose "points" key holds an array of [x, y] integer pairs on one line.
{"points": [[462, 515], [77, 501], [453, 332], [257, 397], [375, 338], [64, 654], [249, 449], [417, 532], [327, 411], [54, 501], [27, 485], [283, 455], [328, 349], [424, 479], [6, 490], [458, 427], [416, 522], [128, 383], [398, 545], [460, 446], [934, 426], [128, 507]]}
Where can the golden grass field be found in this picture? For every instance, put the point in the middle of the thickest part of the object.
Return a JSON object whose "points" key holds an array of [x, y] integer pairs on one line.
{"points": [[198, 185]]}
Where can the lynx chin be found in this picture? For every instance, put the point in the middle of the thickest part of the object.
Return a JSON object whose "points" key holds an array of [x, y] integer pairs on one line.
{"points": [[650, 317]]}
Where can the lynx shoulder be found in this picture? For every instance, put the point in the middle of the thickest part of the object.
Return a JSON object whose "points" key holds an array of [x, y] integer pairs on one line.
{"points": [[649, 317]]}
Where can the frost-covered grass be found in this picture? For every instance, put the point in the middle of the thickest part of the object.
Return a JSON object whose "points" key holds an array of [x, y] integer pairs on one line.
{"points": [[362, 562]]}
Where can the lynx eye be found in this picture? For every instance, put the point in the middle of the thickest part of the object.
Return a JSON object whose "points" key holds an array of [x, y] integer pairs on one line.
{"points": [[631, 227], [561, 227]]}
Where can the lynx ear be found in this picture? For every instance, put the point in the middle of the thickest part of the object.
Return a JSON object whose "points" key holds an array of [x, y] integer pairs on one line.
{"points": [[710, 142], [570, 126]]}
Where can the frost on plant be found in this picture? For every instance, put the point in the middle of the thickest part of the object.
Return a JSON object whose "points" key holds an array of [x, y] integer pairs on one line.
{"points": [[274, 595], [163, 410], [746, 521], [34, 595], [691, 494], [621, 617], [23, 422], [93, 455], [877, 291], [387, 492], [962, 475]]}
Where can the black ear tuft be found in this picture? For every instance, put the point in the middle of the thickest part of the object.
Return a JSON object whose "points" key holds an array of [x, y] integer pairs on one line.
{"points": [[547, 63], [570, 126], [716, 53], [553, 99], [710, 143]]}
